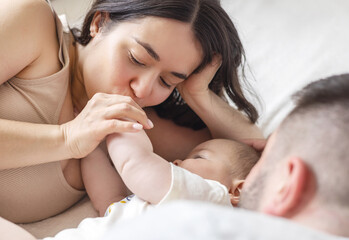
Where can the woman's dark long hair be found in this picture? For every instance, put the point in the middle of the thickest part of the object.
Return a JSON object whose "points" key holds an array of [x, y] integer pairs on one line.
{"points": [[213, 29]]}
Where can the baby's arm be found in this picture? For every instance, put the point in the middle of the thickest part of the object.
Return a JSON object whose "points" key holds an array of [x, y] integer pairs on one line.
{"points": [[145, 173], [102, 182]]}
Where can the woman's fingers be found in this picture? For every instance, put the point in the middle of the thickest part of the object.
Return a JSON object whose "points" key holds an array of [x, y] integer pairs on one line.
{"points": [[124, 111], [211, 69], [103, 114], [118, 126], [199, 82], [119, 107]]}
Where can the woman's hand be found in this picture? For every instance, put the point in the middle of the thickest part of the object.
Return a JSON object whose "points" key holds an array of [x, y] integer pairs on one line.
{"points": [[223, 120], [197, 84], [103, 114]]}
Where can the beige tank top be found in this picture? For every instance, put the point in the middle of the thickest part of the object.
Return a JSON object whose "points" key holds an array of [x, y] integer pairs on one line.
{"points": [[37, 192]]}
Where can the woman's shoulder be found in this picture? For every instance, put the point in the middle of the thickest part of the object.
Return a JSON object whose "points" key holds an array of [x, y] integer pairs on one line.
{"points": [[26, 28], [26, 17]]}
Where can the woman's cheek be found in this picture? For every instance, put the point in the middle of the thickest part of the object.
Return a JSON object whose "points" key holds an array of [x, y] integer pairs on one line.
{"points": [[159, 97]]}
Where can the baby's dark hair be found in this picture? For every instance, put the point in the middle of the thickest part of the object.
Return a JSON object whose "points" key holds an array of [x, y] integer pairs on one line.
{"points": [[243, 158]]}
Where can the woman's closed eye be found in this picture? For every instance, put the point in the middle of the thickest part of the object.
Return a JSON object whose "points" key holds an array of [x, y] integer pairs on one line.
{"points": [[139, 63], [165, 84], [134, 60]]}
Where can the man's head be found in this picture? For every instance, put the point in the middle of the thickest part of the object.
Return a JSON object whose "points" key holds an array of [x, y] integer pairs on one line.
{"points": [[222, 160], [304, 170]]}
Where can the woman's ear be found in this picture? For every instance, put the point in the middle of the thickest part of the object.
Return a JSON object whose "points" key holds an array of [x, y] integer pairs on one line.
{"points": [[98, 22], [235, 191]]}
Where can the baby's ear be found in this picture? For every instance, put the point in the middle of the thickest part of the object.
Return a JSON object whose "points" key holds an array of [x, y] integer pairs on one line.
{"points": [[235, 191]]}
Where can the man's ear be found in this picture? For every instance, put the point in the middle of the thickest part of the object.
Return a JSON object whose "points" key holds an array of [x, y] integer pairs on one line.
{"points": [[99, 20], [287, 194], [235, 191]]}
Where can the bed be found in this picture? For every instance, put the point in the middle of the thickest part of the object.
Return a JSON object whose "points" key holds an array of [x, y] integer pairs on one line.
{"points": [[288, 44]]}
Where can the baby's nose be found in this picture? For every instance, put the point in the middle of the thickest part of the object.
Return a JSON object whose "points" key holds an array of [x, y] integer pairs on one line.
{"points": [[177, 162]]}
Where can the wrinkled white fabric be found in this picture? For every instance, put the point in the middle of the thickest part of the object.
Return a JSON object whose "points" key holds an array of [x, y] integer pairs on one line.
{"points": [[184, 185], [186, 220]]}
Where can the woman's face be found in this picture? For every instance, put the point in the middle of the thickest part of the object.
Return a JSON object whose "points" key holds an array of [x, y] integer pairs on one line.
{"points": [[144, 59]]}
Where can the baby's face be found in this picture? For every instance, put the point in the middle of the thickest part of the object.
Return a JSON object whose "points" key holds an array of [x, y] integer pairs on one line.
{"points": [[211, 160]]}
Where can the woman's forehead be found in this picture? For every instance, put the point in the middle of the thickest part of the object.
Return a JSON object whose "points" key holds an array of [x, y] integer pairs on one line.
{"points": [[169, 40]]}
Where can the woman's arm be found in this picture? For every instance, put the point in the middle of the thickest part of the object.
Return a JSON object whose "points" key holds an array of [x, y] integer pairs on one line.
{"points": [[24, 144], [28, 49], [222, 119], [145, 173], [26, 26]]}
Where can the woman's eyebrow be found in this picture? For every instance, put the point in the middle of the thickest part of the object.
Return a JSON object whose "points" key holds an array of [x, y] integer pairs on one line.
{"points": [[179, 75], [154, 55], [148, 48]]}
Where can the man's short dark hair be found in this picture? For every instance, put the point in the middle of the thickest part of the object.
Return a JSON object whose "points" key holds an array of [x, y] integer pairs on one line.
{"points": [[317, 130]]}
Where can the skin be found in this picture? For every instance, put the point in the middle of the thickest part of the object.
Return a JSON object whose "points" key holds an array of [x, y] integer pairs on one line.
{"points": [[128, 69], [254, 187], [288, 188], [108, 90], [102, 113], [135, 161], [211, 160]]}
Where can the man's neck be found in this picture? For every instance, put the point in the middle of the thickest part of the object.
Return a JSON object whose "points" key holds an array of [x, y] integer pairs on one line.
{"points": [[330, 220]]}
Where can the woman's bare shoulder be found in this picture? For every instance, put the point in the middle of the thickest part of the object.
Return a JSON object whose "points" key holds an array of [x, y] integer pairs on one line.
{"points": [[26, 17], [25, 26]]}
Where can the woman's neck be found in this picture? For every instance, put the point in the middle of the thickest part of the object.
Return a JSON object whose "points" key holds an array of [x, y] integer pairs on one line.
{"points": [[79, 96]]}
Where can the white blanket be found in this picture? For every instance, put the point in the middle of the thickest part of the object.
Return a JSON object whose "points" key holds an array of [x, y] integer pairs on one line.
{"points": [[197, 220]]}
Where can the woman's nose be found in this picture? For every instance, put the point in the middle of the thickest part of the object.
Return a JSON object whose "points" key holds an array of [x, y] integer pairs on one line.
{"points": [[143, 86], [177, 162]]}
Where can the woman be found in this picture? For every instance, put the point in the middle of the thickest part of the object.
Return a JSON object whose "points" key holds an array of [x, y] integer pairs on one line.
{"points": [[129, 55]]}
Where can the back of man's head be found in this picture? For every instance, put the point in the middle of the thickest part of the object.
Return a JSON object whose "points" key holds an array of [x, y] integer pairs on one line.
{"points": [[317, 131]]}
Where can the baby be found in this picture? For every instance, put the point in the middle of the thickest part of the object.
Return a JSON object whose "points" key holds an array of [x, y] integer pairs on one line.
{"points": [[213, 171]]}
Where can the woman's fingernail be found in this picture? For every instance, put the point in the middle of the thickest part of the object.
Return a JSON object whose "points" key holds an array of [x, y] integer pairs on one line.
{"points": [[150, 123], [137, 126]]}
